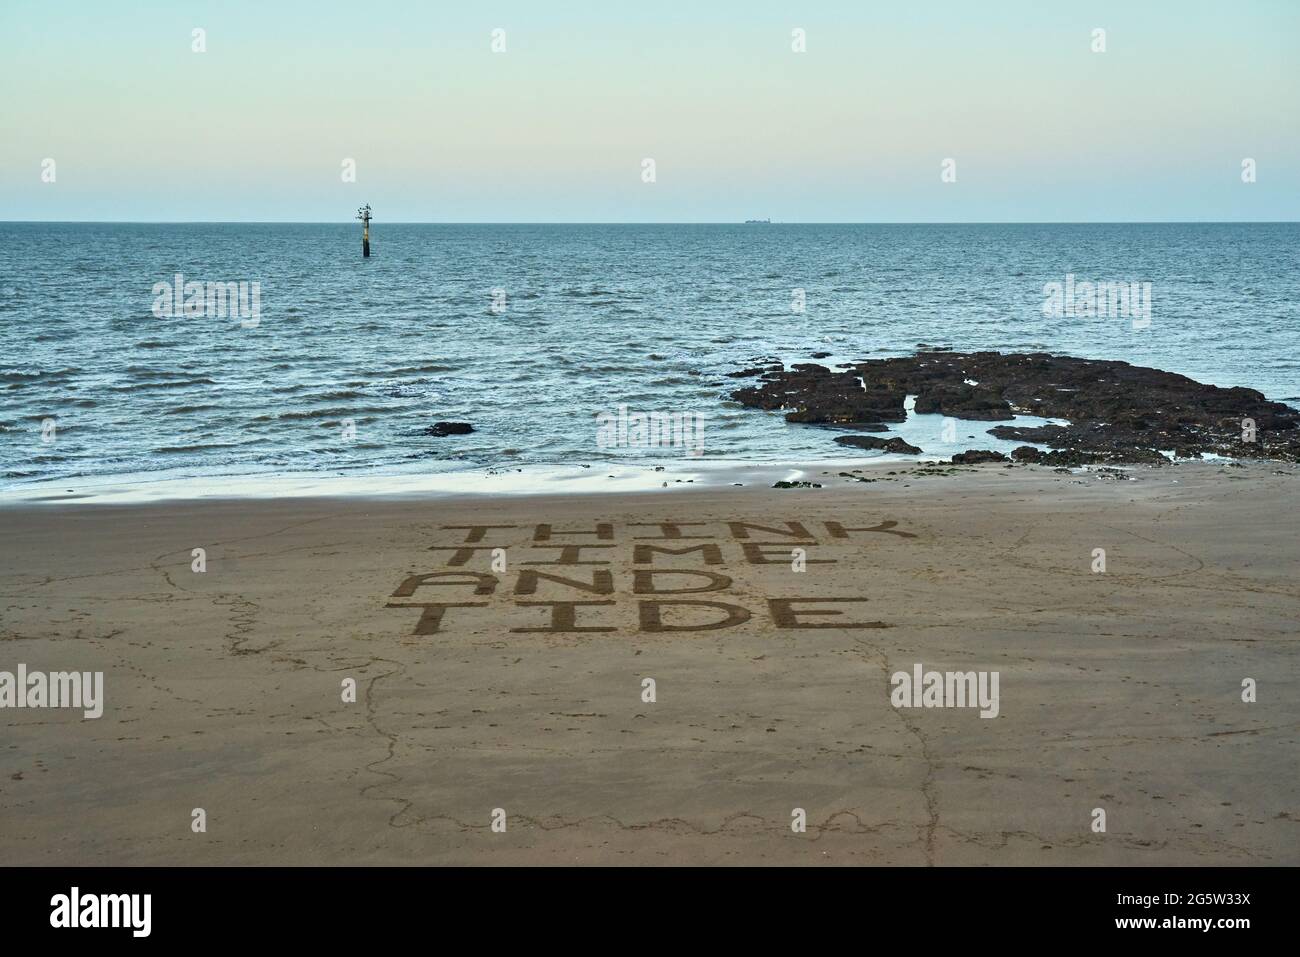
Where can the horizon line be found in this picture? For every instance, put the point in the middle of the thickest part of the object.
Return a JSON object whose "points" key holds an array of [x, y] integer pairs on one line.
{"points": [[612, 222]]}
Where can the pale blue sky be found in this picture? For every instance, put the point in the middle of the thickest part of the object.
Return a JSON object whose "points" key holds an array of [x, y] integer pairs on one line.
{"points": [[555, 129]]}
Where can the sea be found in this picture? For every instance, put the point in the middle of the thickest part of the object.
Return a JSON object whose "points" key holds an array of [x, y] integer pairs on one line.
{"points": [[338, 365]]}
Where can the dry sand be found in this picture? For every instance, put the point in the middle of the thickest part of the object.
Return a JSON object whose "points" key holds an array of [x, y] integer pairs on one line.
{"points": [[1119, 690]]}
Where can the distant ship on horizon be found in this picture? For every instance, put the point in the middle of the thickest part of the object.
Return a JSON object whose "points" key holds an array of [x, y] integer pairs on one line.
{"points": [[758, 221]]}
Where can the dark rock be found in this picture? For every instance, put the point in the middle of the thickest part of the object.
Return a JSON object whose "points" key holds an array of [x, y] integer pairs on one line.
{"points": [[1042, 434], [820, 355], [1116, 412], [1075, 457], [1141, 456], [860, 426], [817, 396], [1056, 457], [871, 442], [441, 429], [975, 456], [964, 402], [823, 417]]}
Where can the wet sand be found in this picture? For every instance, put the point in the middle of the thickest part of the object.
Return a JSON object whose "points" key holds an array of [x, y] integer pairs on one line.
{"points": [[1119, 690]]}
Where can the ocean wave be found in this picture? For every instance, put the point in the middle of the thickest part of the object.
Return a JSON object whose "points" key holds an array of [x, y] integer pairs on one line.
{"points": [[409, 370], [343, 412], [146, 386], [152, 372], [196, 447], [23, 376]]}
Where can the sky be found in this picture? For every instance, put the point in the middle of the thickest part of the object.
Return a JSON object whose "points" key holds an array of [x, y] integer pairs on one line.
{"points": [[1040, 128]]}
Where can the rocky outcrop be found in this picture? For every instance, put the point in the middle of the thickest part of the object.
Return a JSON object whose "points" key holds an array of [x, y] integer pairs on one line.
{"points": [[896, 445], [1076, 457], [817, 396], [442, 429], [976, 456], [1116, 412]]}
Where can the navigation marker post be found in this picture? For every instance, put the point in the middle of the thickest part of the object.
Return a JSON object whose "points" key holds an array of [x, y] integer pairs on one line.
{"points": [[363, 214]]}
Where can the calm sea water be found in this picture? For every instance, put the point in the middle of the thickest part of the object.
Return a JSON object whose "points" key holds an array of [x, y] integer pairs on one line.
{"points": [[650, 316]]}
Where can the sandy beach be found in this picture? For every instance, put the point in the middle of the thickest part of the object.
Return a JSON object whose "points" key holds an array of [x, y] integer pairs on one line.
{"points": [[481, 689]]}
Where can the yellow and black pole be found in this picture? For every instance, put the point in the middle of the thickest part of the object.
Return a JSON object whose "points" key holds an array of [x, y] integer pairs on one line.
{"points": [[363, 214]]}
